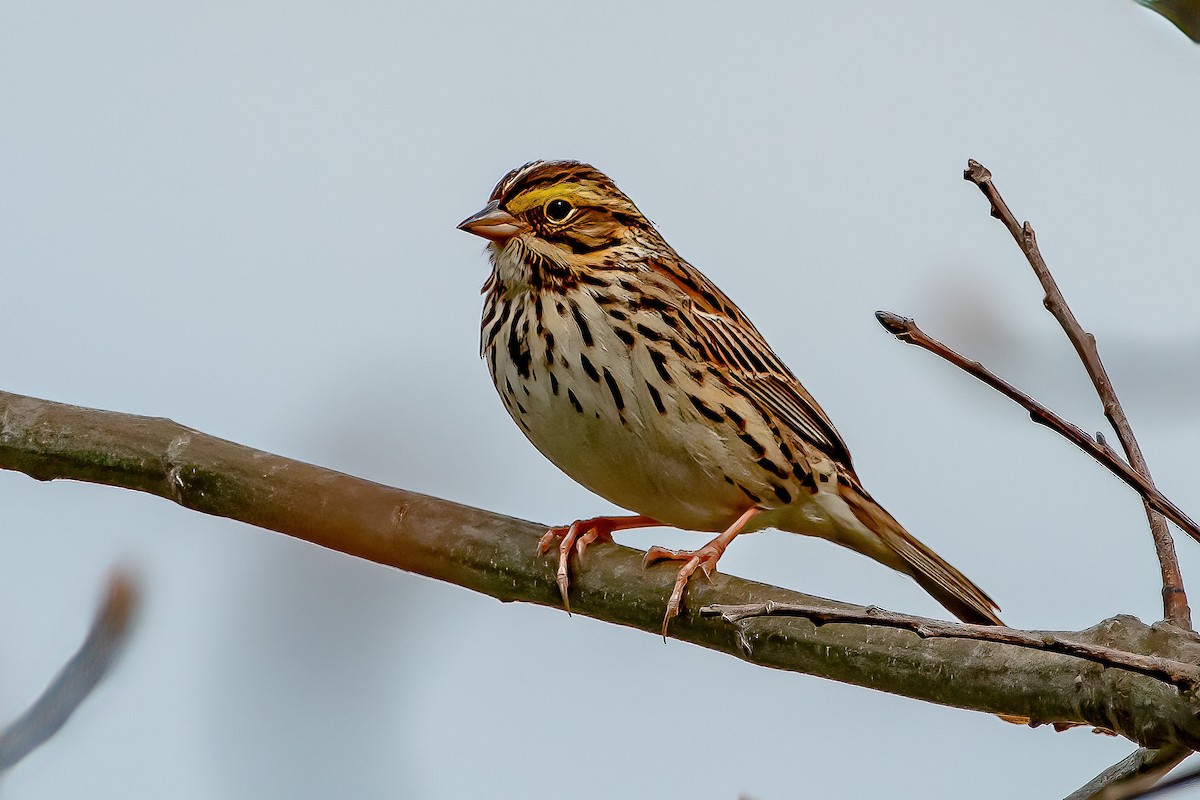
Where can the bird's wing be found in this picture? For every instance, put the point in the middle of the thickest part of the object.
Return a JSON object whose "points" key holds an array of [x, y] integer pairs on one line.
{"points": [[728, 340], [736, 346]]}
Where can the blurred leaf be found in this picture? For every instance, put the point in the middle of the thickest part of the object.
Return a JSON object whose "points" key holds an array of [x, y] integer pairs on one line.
{"points": [[1184, 14]]}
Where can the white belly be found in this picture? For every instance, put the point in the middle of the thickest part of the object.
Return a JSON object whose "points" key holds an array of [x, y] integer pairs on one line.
{"points": [[663, 464]]}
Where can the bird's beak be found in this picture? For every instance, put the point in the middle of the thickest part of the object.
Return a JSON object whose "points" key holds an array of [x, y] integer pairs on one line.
{"points": [[493, 223]]}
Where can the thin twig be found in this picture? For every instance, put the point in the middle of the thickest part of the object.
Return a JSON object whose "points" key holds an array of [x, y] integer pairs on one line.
{"points": [[1177, 673], [78, 678], [906, 330], [1175, 605], [1132, 775]]}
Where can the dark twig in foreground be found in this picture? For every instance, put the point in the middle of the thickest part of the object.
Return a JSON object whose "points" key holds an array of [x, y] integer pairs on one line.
{"points": [[906, 330], [1138, 788], [1131, 776], [78, 678], [1175, 605], [1177, 673]]}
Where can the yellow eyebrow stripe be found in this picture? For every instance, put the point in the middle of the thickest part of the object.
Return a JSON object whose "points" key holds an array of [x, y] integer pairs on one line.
{"points": [[577, 193]]}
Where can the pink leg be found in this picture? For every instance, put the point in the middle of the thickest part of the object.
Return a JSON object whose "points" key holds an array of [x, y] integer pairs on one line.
{"points": [[705, 559], [578, 535]]}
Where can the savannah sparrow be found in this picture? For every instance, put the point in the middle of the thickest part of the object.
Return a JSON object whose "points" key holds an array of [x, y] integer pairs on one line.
{"points": [[640, 379]]}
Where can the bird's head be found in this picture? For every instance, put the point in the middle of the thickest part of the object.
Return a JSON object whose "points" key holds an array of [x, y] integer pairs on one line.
{"points": [[566, 205]]}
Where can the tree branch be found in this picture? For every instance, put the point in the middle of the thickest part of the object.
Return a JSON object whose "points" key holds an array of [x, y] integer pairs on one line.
{"points": [[1120, 792], [1178, 674], [1130, 776], [1183, 14], [906, 330], [75, 682], [1175, 605], [494, 555]]}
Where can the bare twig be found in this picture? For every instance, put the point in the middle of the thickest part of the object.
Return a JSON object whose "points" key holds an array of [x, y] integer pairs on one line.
{"points": [[1132, 775], [906, 330], [1177, 673], [78, 678], [1175, 605]]}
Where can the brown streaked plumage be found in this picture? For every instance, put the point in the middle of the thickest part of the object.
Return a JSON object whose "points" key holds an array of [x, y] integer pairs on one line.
{"points": [[640, 379]]}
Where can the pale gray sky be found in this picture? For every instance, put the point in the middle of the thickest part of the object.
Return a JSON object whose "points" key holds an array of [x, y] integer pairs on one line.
{"points": [[240, 215]]}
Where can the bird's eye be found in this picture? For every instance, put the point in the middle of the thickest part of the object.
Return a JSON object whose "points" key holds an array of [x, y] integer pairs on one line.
{"points": [[558, 210]]}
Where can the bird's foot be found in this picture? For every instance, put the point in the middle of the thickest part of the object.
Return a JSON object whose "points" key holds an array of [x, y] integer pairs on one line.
{"points": [[705, 559], [578, 535]]}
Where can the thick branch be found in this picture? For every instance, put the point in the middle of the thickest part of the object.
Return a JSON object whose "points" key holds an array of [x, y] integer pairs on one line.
{"points": [[905, 329], [494, 555], [1175, 605]]}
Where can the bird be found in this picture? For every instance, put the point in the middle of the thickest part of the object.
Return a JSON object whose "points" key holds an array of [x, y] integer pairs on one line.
{"points": [[641, 380]]}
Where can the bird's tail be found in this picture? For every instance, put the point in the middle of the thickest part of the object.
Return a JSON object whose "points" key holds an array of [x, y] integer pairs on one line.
{"points": [[902, 551]]}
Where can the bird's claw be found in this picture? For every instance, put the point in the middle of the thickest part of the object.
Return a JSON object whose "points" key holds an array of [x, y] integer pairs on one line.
{"points": [[576, 536], [704, 559]]}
